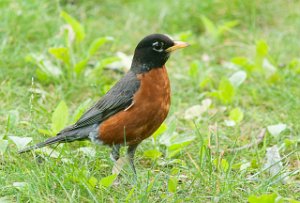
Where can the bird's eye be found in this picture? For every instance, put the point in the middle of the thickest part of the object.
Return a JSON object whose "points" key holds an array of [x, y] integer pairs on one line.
{"points": [[158, 46]]}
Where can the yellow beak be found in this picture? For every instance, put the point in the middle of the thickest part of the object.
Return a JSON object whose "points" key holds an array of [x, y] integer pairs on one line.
{"points": [[177, 45]]}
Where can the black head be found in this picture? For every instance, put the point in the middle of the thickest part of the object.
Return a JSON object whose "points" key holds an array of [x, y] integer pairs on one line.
{"points": [[153, 52]]}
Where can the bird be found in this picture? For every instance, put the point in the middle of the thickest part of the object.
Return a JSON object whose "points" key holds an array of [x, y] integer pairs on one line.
{"points": [[133, 109]]}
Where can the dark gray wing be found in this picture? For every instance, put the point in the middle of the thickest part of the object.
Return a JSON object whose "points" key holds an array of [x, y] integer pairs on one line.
{"points": [[118, 98]]}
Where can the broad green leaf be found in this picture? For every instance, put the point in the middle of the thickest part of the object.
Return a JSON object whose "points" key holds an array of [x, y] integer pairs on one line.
{"points": [[205, 83], [45, 132], [210, 27], [236, 115], [93, 181], [266, 198], [173, 152], [80, 66], [108, 180], [76, 26], [80, 110], [42, 76], [226, 91], [294, 65], [179, 144], [275, 130], [194, 69], [60, 117], [238, 78], [97, 43], [223, 165], [275, 77], [227, 26], [262, 48], [172, 184], [292, 200], [2, 136], [175, 171], [20, 142], [175, 140], [3, 146], [243, 62], [61, 53], [261, 53], [162, 128], [152, 154]]}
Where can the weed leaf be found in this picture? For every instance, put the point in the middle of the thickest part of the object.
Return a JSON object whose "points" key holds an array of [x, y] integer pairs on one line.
{"points": [[226, 91], [172, 184], [108, 180], [275, 130], [266, 198], [238, 78], [152, 154], [3, 146], [76, 26], [97, 43], [20, 142], [236, 115], [60, 117], [61, 53]]}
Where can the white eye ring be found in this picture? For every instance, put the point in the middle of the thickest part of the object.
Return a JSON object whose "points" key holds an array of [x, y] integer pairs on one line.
{"points": [[158, 46]]}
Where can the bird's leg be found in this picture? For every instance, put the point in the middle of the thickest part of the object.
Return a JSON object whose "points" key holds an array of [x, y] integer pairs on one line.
{"points": [[115, 152], [130, 153]]}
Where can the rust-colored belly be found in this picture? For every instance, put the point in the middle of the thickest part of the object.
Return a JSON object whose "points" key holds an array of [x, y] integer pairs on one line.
{"points": [[150, 108]]}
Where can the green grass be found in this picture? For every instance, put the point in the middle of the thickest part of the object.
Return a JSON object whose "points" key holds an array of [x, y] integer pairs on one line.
{"points": [[199, 172]]}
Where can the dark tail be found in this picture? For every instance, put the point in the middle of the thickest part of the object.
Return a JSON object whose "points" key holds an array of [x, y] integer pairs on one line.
{"points": [[66, 135]]}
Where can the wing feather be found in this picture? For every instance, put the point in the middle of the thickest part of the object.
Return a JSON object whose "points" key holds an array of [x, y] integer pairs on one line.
{"points": [[117, 99]]}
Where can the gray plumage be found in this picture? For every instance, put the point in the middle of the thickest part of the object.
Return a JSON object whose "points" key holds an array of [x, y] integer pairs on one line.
{"points": [[118, 98]]}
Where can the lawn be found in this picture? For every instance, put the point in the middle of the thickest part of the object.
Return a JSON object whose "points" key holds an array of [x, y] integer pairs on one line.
{"points": [[232, 134]]}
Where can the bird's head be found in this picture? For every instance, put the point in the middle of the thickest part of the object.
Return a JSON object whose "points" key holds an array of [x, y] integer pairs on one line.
{"points": [[153, 52]]}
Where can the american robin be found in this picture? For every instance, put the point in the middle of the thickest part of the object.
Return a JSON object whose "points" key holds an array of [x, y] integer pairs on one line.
{"points": [[132, 109]]}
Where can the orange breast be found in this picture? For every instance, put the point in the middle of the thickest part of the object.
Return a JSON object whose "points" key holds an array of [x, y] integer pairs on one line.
{"points": [[150, 108]]}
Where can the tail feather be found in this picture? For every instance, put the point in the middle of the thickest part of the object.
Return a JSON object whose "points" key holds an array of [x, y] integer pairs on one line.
{"points": [[50, 141], [65, 135]]}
